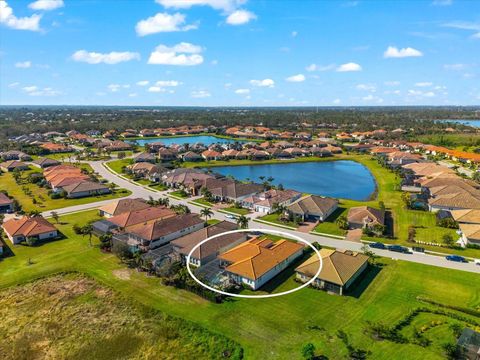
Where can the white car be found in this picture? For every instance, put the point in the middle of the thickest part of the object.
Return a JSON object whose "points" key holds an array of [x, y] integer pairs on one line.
{"points": [[476, 261]]}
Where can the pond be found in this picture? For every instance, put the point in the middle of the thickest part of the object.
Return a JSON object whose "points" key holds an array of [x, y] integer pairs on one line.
{"points": [[204, 139], [339, 179], [473, 123]]}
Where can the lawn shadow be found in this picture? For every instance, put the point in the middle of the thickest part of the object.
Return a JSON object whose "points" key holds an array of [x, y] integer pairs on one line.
{"points": [[335, 215], [389, 224], [7, 251], [363, 281]]}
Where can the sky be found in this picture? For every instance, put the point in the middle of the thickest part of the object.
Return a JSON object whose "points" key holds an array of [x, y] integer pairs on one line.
{"points": [[239, 53]]}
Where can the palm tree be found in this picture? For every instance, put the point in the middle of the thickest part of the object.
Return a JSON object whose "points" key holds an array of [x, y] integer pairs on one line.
{"points": [[207, 213], [242, 222], [88, 230], [55, 216]]}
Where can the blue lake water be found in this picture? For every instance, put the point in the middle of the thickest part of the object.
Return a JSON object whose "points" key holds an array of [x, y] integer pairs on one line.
{"points": [[473, 123], [204, 139], [339, 179]]}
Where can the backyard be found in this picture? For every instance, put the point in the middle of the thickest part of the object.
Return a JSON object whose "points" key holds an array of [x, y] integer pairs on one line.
{"points": [[389, 293]]}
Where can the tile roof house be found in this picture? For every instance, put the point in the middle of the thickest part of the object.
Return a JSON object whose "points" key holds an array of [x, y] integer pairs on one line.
{"points": [[144, 157], [265, 202], [6, 204], [209, 155], [15, 155], [121, 206], [18, 230], [313, 207], [209, 250], [191, 156], [11, 165], [131, 218], [470, 234], [150, 235], [224, 189], [466, 216], [453, 197], [55, 148], [339, 271], [148, 170], [365, 216], [166, 155], [45, 162], [257, 261], [189, 179], [85, 188]]}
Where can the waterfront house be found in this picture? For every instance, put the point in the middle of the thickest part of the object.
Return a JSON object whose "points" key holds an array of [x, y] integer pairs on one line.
{"points": [[266, 201], [313, 208], [191, 156], [254, 262], [166, 155], [121, 206], [339, 271], [18, 230], [365, 217], [144, 157]]}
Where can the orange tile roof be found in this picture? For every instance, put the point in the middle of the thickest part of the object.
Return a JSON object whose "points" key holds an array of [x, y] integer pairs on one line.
{"points": [[28, 226]]}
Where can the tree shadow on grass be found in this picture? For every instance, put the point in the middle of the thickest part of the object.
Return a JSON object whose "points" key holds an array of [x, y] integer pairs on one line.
{"points": [[363, 281]]}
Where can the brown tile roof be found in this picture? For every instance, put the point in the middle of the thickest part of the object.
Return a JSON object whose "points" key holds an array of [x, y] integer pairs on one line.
{"points": [[471, 231], [140, 216], [359, 214], [84, 185], [338, 267], [4, 199], [46, 162], [466, 216], [28, 226], [156, 229], [13, 164], [124, 205], [313, 204], [255, 257], [186, 243], [455, 197]]}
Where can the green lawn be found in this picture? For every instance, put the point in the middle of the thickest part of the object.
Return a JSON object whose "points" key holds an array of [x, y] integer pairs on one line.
{"points": [[202, 202], [179, 194], [329, 226], [239, 211], [274, 218], [43, 200], [117, 165], [275, 328]]}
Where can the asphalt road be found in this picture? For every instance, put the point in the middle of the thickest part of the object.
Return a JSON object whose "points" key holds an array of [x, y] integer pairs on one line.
{"points": [[139, 191]]}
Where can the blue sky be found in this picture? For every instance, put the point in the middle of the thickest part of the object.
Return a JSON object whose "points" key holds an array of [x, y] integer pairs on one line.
{"points": [[240, 53]]}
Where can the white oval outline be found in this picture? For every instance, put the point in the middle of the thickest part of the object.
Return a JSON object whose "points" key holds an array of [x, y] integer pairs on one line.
{"points": [[273, 232]]}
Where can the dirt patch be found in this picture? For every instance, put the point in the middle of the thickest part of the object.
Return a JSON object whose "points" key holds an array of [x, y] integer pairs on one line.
{"points": [[122, 274]]}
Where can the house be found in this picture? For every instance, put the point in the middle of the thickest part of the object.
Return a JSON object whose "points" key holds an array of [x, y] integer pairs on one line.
{"points": [[453, 197], [266, 201], [15, 155], [229, 190], [144, 157], [135, 217], [209, 250], [188, 179], [148, 171], [85, 188], [191, 156], [55, 148], [166, 155], [256, 261], [6, 204], [469, 343], [466, 216], [18, 230], [339, 271], [150, 235], [121, 206], [313, 208], [470, 234], [12, 165], [43, 163], [365, 216], [209, 155]]}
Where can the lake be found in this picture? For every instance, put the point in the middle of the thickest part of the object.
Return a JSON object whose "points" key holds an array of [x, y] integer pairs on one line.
{"points": [[204, 139], [473, 123], [339, 179]]}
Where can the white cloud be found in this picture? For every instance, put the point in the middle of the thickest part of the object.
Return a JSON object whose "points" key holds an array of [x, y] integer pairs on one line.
{"points": [[242, 91], [14, 84], [182, 54], [296, 78], [36, 91], [163, 22], [225, 5], [423, 84], [161, 85], [420, 93], [337, 101], [111, 58], [392, 83], [366, 87], [156, 89], [394, 52], [31, 23], [442, 2], [240, 17], [132, 95], [143, 83], [465, 25], [23, 64], [455, 67], [200, 94], [351, 66], [311, 67], [263, 83], [372, 98], [46, 5]]}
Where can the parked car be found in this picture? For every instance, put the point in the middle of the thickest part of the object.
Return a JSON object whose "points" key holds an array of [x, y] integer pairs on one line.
{"points": [[476, 261], [377, 245], [228, 216], [456, 258], [398, 248]]}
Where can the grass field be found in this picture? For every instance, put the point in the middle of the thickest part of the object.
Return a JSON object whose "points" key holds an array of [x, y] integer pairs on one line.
{"points": [[117, 165], [238, 211], [73, 317], [274, 218], [43, 200], [274, 328], [202, 202]]}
